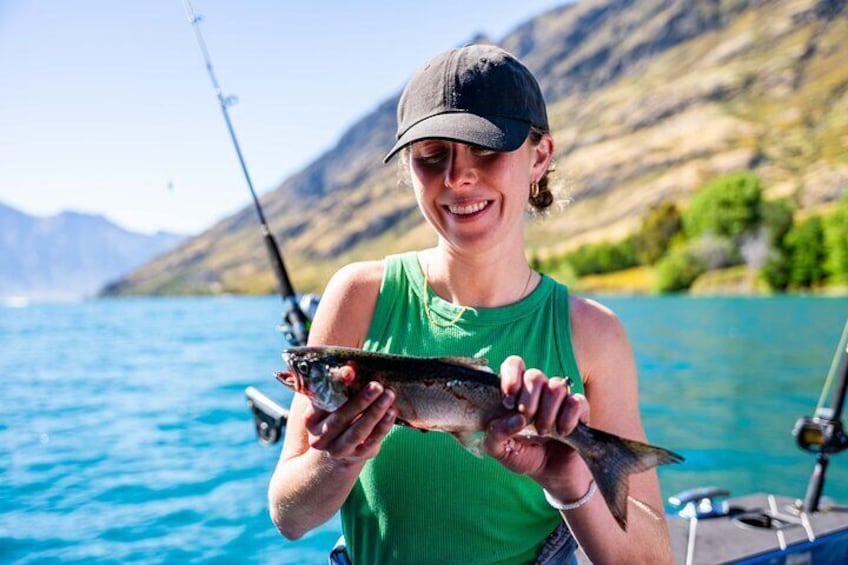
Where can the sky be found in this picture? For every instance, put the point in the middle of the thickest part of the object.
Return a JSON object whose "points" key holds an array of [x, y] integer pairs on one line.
{"points": [[106, 106]]}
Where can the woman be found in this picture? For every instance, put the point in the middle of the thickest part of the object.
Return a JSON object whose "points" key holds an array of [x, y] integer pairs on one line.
{"points": [[473, 134]]}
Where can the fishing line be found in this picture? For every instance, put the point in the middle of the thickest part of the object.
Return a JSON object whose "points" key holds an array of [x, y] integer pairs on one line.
{"points": [[293, 314]]}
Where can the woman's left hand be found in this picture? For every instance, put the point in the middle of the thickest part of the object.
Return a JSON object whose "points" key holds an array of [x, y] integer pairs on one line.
{"points": [[552, 409]]}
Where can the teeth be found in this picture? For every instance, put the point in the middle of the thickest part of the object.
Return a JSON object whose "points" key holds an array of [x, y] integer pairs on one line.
{"points": [[468, 209]]}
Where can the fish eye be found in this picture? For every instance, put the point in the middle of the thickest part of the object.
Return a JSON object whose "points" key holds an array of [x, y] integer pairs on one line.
{"points": [[303, 367]]}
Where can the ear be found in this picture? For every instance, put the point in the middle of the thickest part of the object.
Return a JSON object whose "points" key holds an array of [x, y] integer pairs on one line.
{"points": [[541, 156]]}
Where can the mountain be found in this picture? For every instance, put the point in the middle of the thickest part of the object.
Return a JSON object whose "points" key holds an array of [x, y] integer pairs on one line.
{"points": [[648, 100], [69, 255]]}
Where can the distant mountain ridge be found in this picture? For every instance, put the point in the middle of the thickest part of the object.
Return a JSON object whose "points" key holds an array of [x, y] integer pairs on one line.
{"points": [[648, 100], [69, 255]]}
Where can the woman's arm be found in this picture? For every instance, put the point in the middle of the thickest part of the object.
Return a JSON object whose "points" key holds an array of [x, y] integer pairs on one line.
{"points": [[323, 453], [609, 372], [609, 375]]}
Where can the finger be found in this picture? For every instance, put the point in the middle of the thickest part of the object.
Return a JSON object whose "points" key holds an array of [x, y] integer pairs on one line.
{"points": [[347, 442], [533, 381], [335, 423], [313, 417], [511, 371], [575, 408], [554, 394], [371, 445]]}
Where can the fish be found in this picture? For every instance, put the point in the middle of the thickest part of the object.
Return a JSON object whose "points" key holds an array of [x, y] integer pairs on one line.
{"points": [[460, 396]]}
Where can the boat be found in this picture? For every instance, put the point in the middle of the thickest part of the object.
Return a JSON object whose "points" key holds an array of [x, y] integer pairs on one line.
{"points": [[709, 526]]}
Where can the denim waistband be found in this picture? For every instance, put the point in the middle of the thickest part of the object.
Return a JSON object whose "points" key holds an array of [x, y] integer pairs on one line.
{"points": [[560, 548]]}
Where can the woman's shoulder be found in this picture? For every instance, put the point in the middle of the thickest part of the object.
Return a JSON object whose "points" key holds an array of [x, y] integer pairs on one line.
{"points": [[590, 315], [359, 276], [597, 334], [347, 304], [356, 285]]}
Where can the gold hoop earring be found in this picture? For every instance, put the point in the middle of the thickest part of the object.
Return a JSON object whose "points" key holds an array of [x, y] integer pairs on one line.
{"points": [[534, 190]]}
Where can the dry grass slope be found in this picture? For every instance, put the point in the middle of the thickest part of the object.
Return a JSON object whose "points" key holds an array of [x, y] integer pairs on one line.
{"points": [[648, 101]]}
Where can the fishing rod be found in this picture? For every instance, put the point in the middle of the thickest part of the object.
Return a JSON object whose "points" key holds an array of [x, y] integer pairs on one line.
{"points": [[823, 434], [269, 417], [296, 321]]}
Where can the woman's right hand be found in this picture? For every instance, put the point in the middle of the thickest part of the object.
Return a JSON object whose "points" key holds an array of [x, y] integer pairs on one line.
{"points": [[353, 433]]}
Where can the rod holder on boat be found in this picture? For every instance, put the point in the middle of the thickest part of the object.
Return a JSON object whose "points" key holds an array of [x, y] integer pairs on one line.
{"points": [[701, 502], [270, 418]]}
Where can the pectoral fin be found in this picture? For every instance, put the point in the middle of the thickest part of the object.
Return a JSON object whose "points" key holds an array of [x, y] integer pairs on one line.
{"points": [[471, 441]]}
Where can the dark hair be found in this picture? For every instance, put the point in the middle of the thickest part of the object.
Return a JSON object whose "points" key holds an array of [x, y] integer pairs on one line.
{"points": [[544, 198]]}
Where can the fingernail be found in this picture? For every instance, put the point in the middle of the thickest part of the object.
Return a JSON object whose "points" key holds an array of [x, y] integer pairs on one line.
{"points": [[509, 401], [374, 389], [515, 421]]}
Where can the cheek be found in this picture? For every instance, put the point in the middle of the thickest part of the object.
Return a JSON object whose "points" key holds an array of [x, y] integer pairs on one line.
{"points": [[426, 175], [425, 191]]}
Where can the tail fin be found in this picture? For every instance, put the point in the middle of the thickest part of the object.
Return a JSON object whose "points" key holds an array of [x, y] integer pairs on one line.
{"points": [[612, 459]]}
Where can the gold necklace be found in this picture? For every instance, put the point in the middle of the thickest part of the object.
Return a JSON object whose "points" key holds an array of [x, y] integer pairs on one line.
{"points": [[464, 308]]}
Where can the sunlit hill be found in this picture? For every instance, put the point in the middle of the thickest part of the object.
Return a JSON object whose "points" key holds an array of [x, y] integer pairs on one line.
{"points": [[649, 102]]}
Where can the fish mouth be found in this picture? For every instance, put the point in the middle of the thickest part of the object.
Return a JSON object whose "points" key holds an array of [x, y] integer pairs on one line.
{"points": [[291, 380]]}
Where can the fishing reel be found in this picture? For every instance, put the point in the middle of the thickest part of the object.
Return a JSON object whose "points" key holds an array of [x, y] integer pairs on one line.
{"points": [[294, 331], [820, 434]]}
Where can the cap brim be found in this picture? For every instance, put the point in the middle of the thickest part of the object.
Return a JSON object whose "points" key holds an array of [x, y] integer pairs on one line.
{"points": [[498, 134]]}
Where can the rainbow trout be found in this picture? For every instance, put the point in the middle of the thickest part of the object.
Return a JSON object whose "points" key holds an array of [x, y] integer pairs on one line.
{"points": [[459, 396]]}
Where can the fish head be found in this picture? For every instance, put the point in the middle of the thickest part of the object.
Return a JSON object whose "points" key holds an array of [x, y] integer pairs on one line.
{"points": [[318, 375]]}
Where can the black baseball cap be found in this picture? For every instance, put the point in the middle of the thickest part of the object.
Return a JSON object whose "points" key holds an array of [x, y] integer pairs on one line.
{"points": [[478, 94]]}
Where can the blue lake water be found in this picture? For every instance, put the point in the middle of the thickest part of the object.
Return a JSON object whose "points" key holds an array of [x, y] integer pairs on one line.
{"points": [[124, 433]]}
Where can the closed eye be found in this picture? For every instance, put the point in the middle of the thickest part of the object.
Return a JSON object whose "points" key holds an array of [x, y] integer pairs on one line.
{"points": [[482, 151], [430, 158]]}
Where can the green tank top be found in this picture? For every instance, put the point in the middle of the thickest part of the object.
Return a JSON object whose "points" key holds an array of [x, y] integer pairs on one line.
{"points": [[424, 498]]}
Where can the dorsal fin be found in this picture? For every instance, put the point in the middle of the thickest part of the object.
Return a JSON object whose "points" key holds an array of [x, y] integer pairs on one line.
{"points": [[480, 363]]}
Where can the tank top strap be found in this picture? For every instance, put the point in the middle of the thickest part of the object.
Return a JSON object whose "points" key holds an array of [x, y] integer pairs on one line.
{"points": [[393, 288], [563, 342]]}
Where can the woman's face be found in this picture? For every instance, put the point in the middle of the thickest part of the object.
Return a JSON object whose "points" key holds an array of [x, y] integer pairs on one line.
{"points": [[473, 197]]}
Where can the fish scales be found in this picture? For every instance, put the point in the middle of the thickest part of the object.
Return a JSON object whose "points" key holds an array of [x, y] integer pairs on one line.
{"points": [[460, 396]]}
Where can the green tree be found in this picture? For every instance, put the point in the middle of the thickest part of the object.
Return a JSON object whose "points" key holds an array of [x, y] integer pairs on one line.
{"points": [[805, 243], [727, 207], [658, 228], [776, 271], [678, 269], [602, 257], [836, 243], [777, 218]]}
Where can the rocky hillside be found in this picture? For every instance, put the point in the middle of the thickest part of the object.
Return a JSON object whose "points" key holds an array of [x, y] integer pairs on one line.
{"points": [[648, 100], [69, 255]]}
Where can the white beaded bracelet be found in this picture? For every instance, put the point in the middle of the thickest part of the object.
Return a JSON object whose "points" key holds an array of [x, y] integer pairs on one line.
{"points": [[559, 505]]}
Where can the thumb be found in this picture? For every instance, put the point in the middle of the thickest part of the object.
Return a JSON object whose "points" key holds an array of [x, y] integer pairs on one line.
{"points": [[497, 441]]}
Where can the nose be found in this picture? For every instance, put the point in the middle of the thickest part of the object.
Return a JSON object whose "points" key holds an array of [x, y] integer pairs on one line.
{"points": [[461, 170]]}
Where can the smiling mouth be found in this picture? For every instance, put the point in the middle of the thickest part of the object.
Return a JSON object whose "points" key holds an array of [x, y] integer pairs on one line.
{"points": [[466, 210]]}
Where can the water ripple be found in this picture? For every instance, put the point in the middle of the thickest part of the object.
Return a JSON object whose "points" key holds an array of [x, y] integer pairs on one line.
{"points": [[125, 435]]}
